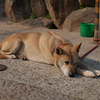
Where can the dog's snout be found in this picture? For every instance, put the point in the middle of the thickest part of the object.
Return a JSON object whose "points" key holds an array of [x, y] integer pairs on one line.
{"points": [[71, 74]]}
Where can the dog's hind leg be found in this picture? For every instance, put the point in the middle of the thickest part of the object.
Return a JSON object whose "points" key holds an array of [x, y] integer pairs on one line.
{"points": [[10, 48], [83, 66]]}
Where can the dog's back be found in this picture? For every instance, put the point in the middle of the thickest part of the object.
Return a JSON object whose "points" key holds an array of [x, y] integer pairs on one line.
{"points": [[35, 46]]}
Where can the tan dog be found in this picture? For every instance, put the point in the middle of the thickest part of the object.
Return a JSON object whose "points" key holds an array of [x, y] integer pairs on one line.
{"points": [[47, 47]]}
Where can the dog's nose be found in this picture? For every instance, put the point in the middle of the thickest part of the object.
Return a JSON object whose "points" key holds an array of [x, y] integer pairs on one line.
{"points": [[71, 74]]}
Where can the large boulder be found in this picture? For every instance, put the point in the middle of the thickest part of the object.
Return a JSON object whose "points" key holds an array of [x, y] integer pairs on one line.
{"points": [[17, 10], [72, 22], [2, 10], [38, 22], [39, 8], [87, 3], [60, 9]]}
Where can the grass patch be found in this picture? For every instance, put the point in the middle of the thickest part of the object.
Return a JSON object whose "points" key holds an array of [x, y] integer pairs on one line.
{"points": [[79, 7], [48, 16], [15, 21], [32, 16]]}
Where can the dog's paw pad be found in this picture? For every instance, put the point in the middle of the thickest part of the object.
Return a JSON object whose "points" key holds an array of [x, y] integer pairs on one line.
{"points": [[13, 57], [89, 74], [97, 72]]}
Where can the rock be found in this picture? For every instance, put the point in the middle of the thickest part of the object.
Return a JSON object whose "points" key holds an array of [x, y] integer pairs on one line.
{"points": [[2, 67], [72, 22], [38, 22], [60, 9], [17, 10], [87, 3], [39, 8], [2, 10]]}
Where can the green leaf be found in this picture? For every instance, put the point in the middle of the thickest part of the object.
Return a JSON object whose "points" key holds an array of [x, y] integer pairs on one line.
{"points": [[48, 16]]}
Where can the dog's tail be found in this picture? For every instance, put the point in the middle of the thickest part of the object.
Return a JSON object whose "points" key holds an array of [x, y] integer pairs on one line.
{"points": [[2, 56], [0, 46]]}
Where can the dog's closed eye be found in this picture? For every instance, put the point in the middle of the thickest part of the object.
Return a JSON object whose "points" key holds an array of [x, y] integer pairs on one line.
{"points": [[67, 62]]}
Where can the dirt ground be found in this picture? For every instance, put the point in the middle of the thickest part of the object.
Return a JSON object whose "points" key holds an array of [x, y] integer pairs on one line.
{"points": [[27, 80]]}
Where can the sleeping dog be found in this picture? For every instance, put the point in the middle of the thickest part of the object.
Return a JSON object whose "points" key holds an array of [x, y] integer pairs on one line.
{"points": [[47, 47]]}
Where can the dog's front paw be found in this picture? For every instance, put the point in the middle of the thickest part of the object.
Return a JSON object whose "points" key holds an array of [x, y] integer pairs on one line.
{"points": [[97, 72], [89, 74]]}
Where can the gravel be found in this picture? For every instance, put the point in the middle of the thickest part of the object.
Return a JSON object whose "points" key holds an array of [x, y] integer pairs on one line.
{"points": [[27, 80]]}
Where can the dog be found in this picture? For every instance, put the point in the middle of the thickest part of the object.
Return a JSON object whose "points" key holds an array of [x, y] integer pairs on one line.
{"points": [[47, 47]]}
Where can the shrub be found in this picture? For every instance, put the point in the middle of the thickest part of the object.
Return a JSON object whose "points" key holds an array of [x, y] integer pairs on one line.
{"points": [[80, 7]]}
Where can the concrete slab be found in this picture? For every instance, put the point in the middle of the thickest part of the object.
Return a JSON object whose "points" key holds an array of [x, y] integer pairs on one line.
{"points": [[48, 77]]}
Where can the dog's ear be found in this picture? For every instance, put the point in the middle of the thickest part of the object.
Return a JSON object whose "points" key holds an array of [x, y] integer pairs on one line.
{"points": [[59, 51], [77, 47]]}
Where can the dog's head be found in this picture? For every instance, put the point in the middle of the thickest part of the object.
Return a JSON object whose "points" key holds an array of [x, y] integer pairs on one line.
{"points": [[66, 58]]}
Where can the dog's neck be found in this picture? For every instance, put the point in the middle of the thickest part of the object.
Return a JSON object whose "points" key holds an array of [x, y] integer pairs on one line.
{"points": [[54, 47]]}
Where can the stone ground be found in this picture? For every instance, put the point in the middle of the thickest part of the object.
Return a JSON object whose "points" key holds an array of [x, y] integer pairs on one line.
{"points": [[27, 80]]}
